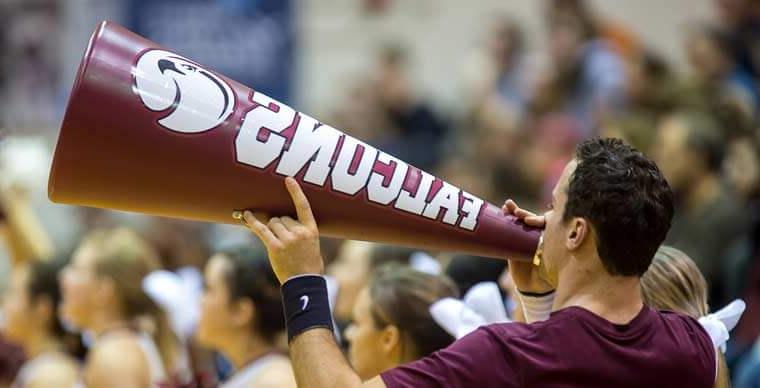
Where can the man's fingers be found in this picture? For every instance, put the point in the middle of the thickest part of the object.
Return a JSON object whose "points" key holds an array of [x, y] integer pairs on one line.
{"points": [[537, 221], [303, 209], [259, 229], [279, 229], [522, 213], [290, 223], [510, 207]]}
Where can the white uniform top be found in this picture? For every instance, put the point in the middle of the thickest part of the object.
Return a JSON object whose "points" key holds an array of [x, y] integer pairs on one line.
{"points": [[156, 370], [28, 369], [248, 374]]}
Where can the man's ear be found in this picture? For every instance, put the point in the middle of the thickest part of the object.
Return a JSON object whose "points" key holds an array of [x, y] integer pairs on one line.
{"points": [[577, 233]]}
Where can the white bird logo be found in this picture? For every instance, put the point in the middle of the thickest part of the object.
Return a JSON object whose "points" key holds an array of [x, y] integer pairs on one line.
{"points": [[196, 99]]}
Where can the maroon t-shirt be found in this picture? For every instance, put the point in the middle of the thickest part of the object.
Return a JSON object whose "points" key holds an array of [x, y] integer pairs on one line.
{"points": [[573, 348]]}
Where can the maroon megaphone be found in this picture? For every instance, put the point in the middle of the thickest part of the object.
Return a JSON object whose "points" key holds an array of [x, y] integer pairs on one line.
{"points": [[150, 131]]}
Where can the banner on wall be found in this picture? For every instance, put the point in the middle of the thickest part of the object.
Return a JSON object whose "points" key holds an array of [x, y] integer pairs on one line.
{"points": [[250, 41]]}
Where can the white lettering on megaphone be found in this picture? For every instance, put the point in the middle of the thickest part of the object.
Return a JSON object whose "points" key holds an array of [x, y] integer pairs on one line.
{"points": [[257, 147], [414, 202], [377, 190], [353, 167], [313, 143], [196, 99], [445, 199], [471, 206], [323, 151]]}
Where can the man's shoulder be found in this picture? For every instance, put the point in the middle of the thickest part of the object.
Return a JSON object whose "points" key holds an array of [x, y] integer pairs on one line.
{"points": [[684, 325], [672, 318], [515, 331], [567, 321], [690, 340]]}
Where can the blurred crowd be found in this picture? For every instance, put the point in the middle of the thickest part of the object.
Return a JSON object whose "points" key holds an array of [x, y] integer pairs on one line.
{"points": [[523, 121], [212, 299]]}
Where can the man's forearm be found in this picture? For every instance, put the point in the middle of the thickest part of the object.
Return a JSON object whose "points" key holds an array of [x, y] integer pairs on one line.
{"points": [[318, 362], [293, 249]]}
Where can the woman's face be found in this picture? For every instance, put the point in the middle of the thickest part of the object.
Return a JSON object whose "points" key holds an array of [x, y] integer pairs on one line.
{"points": [[80, 292], [215, 321], [18, 310], [370, 349], [351, 270]]}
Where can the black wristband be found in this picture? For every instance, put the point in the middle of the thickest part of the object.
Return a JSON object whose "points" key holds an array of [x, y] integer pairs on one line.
{"points": [[536, 294], [305, 304]]}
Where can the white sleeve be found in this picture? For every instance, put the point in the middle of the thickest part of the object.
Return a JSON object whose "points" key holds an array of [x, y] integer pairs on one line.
{"points": [[536, 307]]}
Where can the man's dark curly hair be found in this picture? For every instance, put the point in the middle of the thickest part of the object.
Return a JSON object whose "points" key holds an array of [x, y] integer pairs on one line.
{"points": [[625, 198]]}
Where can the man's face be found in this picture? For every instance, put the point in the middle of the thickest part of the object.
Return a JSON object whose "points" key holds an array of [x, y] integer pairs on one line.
{"points": [[555, 249]]}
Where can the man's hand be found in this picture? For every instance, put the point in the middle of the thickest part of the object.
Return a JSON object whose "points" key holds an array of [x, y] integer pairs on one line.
{"points": [[525, 274], [292, 245]]}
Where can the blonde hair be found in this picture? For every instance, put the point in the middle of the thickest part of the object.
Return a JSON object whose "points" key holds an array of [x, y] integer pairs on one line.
{"points": [[673, 282], [125, 258]]}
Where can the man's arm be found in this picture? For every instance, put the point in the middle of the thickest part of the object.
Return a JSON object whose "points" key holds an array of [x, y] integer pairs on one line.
{"points": [[477, 359], [293, 249], [318, 362]]}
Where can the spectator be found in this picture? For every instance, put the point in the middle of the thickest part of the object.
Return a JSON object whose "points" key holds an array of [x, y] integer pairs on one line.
{"points": [[740, 20], [392, 324], [587, 78], [353, 267], [242, 318], [497, 67], [716, 75], [620, 37], [30, 310], [415, 132], [651, 91], [710, 219], [351, 270], [102, 294]]}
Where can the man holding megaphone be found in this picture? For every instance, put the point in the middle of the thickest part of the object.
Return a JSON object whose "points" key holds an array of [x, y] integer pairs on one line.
{"points": [[151, 131], [610, 211]]}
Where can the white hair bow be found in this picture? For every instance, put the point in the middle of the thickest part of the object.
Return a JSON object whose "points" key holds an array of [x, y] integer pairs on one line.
{"points": [[423, 262], [177, 293], [482, 305], [720, 323]]}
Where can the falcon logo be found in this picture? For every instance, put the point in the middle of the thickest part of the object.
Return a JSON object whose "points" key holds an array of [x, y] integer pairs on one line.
{"points": [[194, 99]]}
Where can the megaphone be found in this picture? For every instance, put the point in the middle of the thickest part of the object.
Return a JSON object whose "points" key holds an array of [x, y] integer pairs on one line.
{"points": [[148, 130]]}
